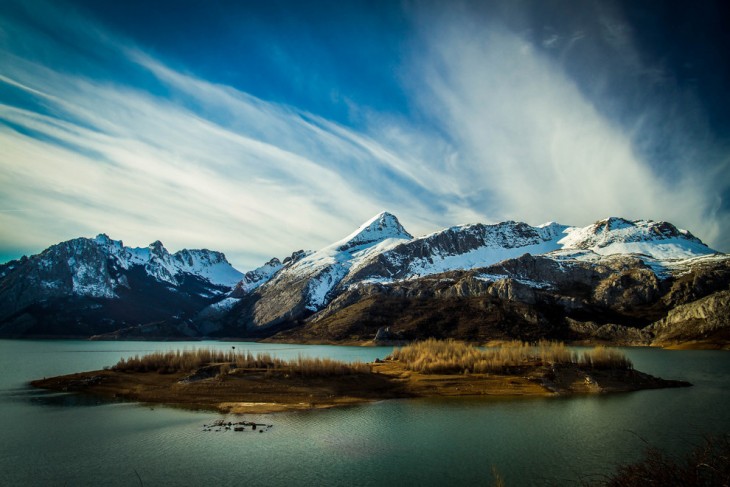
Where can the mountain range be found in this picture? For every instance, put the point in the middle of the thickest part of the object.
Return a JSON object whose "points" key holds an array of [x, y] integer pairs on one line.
{"points": [[617, 281]]}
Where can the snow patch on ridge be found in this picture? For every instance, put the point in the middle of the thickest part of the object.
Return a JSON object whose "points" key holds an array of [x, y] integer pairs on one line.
{"points": [[224, 304], [479, 257], [660, 240], [500, 277]]}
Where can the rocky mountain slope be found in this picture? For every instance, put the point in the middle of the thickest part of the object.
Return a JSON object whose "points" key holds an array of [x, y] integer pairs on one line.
{"points": [[617, 300], [618, 281], [609, 281], [87, 286]]}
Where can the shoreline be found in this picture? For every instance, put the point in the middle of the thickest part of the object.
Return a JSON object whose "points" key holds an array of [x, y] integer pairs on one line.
{"points": [[679, 345], [248, 391]]}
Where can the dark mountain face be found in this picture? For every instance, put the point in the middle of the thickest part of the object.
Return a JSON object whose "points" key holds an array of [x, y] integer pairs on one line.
{"points": [[85, 287], [145, 301]]}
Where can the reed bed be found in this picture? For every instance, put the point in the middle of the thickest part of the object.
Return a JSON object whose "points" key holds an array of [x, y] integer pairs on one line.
{"points": [[174, 361], [450, 356]]}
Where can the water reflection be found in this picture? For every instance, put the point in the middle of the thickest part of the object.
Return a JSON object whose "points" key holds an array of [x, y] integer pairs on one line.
{"points": [[71, 439], [65, 399]]}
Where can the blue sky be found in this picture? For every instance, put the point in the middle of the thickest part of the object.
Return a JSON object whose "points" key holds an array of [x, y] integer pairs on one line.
{"points": [[259, 128]]}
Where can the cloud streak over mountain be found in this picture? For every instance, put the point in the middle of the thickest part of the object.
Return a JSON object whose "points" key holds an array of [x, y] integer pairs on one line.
{"points": [[103, 133], [531, 143]]}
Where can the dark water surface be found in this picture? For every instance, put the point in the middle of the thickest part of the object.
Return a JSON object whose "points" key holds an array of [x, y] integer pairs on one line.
{"points": [[64, 439]]}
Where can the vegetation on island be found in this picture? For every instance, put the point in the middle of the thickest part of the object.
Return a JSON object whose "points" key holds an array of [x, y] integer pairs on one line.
{"points": [[231, 362], [243, 382], [430, 356], [450, 356]]}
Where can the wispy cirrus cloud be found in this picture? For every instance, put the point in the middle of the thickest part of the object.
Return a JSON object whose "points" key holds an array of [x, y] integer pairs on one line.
{"points": [[533, 144], [203, 165]]}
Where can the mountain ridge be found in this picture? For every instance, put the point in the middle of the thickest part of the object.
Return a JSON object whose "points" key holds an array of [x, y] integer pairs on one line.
{"points": [[75, 280], [629, 267]]}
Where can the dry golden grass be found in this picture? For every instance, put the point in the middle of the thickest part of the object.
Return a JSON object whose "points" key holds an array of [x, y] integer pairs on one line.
{"points": [[601, 357], [429, 357], [449, 356], [189, 360]]}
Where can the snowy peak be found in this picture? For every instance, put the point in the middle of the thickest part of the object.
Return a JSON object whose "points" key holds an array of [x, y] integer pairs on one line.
{"points": [[97, 267], [660, 240], [550, 230], [614, 229], [103, 241], [208, 264], [158, 250], [381, 227], [309, 279]]}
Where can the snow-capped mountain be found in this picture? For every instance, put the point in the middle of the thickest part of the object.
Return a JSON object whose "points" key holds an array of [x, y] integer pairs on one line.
{"points": [[327, 267], [86, 275], [610, 281], [306, 283], [318, 273], [460, 247], [472, 246], [206, 264], [383, 227], [659, 240], [382, 251], [374, 275], [95, 267]]}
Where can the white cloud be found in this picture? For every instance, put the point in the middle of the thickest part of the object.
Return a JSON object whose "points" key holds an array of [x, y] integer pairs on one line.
{"points": [[205, 165], [528, 137]]}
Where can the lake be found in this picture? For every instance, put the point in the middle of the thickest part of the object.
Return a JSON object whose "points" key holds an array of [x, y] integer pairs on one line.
{"points": [[65, 439]]}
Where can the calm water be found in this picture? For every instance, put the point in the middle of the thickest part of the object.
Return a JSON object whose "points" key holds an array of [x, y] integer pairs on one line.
{"points": [[61, 439]]}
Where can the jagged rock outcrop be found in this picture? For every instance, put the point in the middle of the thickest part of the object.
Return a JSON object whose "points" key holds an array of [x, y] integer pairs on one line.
{"points": [[591, 332], [705, 319]]}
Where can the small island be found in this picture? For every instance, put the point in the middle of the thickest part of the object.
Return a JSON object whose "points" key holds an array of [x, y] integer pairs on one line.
{"points": [[241, 382]]}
